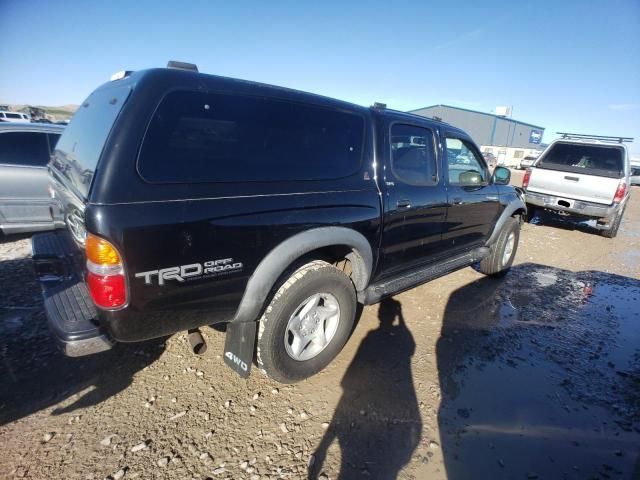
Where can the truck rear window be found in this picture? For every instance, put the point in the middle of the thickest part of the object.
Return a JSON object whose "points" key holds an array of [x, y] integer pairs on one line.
{"points": [[602, 161], [80, 146], [208, 137]]}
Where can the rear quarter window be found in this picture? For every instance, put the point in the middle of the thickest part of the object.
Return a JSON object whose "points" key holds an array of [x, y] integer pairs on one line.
{"points": [[197, 137], [78, 150], [53, 140]]}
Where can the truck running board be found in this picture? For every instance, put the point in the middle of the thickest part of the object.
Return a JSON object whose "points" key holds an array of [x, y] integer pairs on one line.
{"points": [[391, 286]]}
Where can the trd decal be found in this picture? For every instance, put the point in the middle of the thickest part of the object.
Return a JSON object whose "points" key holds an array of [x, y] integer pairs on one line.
{"points": [[181, 273]]}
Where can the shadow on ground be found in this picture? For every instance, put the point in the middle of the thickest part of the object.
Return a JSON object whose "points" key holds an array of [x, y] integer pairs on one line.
{"points": [[13, 237], [377, 421], [550, 219], [540, 376], [33, 374]]}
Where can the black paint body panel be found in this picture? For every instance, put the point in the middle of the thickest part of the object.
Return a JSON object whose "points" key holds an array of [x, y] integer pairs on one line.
{"points": [[157, 226]]}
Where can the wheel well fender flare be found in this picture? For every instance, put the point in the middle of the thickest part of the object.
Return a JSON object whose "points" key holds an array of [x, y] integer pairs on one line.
{"points": [[514, 207], [276, 262]]}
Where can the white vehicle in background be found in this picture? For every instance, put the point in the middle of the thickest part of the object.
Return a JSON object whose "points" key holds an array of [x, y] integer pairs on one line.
{"points": [[635, 173], [15, 117], [527, 162], [584, 176]]}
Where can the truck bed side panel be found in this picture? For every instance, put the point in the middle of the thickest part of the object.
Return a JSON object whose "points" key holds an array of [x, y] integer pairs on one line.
{"points": [[211, 233]]}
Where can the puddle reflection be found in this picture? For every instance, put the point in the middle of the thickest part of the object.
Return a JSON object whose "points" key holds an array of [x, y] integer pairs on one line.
{"points": [[540, 376]]}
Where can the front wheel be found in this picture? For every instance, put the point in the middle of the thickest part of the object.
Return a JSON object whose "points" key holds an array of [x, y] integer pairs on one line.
{"points": [[531, 212], [307, 323], [503, 250]]}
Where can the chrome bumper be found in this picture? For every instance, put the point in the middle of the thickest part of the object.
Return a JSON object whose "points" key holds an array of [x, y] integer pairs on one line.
{"points": [[81, 348], [578, 207]]}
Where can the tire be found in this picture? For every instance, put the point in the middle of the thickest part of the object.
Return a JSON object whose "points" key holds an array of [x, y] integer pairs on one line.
{"points": [[500, 260], [612, 231], [531, 212], [281, 355]]}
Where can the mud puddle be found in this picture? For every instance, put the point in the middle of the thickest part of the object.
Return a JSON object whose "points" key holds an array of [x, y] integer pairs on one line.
{"points": [[540, 375]]}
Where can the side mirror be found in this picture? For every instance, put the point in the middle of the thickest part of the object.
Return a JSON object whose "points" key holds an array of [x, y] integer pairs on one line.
{"points": [[501, 176], [470, 178]]}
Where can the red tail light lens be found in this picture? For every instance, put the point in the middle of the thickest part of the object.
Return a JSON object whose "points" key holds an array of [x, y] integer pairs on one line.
{"points": [[525, 179], [107, 291], [105, 276], [620, 191]]}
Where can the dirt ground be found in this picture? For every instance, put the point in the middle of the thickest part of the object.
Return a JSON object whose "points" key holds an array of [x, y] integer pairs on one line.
{"points": [[536, 375]]}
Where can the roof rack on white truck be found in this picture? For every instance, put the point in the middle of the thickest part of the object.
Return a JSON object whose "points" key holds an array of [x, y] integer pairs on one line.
{"points": [[599, 138]]}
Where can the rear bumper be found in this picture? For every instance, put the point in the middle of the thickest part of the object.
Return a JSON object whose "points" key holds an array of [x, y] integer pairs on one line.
{"points": [[71, 317], [13, 228], [579, 207], [71, 314]]}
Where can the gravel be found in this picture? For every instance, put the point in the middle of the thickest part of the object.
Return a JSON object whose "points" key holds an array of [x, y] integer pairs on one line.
{"points": [[152, 410]]}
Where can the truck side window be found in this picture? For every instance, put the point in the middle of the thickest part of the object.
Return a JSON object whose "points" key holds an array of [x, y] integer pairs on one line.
{"points": [[27, 149], [197, 137], [462, 158], [413, 159]]}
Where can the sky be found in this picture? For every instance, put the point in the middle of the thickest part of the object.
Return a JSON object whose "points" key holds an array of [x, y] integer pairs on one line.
{"points": [[567, 66]]}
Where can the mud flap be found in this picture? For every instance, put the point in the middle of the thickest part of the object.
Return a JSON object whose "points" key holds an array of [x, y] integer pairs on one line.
{"points": [[239, 346]]}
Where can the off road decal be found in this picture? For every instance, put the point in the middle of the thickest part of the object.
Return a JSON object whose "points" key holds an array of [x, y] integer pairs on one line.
{"points": [[193, 271]]}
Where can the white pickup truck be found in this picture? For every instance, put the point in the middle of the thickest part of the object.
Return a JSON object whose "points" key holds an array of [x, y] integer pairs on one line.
{"points": [[584, 176]]}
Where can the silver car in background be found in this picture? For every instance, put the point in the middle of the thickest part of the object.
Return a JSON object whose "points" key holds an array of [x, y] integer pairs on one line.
{"points": [[26, 199]]}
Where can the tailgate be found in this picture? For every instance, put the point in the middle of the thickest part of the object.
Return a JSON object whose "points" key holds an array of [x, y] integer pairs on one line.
{"points": [[578, 186]]}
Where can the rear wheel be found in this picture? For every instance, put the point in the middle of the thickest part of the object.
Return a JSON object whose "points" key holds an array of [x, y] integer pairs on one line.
{"points": [[307, 322], [503, 250], [612, 231]]}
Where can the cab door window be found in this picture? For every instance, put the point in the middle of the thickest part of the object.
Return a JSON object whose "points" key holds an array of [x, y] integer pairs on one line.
{"points": [[413, 158], [463, 162]]}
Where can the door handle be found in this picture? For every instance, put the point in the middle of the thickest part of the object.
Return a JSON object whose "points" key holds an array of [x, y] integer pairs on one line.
{"points": [[404, 203], [573, 179], [458, 201]]}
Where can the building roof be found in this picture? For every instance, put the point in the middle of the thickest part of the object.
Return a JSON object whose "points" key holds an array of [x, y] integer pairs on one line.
{"points": [[480, 113]]}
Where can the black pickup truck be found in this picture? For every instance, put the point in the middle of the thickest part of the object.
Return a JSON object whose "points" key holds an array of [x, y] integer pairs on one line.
{"points": [[194, 200]]}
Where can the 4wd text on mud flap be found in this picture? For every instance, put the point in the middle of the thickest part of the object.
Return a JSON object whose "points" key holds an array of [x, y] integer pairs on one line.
{"points": [[180, 273], [236, 360]]}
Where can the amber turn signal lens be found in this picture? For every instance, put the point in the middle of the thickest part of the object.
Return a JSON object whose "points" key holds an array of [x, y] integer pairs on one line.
{"points": [[100, 251]]}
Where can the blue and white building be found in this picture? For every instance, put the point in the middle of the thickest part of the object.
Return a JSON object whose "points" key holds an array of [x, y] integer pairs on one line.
{"points": [[508, 139]]}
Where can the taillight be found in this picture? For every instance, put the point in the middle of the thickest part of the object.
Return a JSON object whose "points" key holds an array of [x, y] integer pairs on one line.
{"points": [[620, 191], [105, 276], [525, 179]]}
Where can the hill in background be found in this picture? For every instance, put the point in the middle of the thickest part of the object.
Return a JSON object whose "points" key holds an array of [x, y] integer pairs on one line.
{"points": [[54, 114]]}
